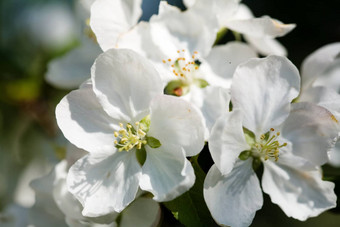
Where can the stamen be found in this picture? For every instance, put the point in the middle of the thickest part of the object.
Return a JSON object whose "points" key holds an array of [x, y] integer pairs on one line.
{"points": [[269, 148], [128, 137]]}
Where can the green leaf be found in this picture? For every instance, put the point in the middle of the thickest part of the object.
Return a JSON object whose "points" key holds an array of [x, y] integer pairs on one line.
{"points": [[153, 142], [190, 208]]}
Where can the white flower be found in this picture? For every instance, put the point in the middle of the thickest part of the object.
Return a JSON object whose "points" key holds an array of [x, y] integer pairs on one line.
{"points": [[54, 203], [289, 140], [72, 69], [321, 85], [111, 19], [180, 45], [258, 32], [121, 115]]}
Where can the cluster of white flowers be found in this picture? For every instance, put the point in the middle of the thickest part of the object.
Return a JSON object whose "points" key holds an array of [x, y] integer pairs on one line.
{"points": [[161, 89]]}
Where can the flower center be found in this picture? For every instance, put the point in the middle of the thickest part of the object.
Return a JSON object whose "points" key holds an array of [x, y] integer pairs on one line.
{"points": [[268, 146], [129, 137], [187, 71]]}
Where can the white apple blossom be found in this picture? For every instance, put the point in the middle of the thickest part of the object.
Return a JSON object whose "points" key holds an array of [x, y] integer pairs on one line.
{"points": [[258, 32], [70, 70], [290, 140], [120, 115], [180, 45], [321, 84], [54, 203]]}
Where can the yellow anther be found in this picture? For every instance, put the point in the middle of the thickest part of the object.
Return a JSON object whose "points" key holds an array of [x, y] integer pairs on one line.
{"points": [[129, 138], [164, 61], [195, 52], [178, 51], [169, 60], [268, 147], [122, 131]]}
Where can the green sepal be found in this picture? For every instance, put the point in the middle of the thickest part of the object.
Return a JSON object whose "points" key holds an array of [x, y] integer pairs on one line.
{"points": [[249, 136], [60, 152], [244, 155], [256, 163], [237, 36], [201, 83], [144, 124], [176, 88], [190, 208], [220, 34], [153, 142], [141, 155]]}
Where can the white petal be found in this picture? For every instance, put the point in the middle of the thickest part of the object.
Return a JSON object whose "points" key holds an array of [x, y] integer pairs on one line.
{"points": [[263, 89], [324, 97], [181, 29], [104, 184], [143, 212], [223, 10], [71, 70], [166, 173], [316, 64], [84, 123], [215, 102], [125, 83], [265, 27], [227, 141], [222, 61], [312, 130], [176, 124], [334, 155], [45, 205], [233, 199], [266, 46], [243, 12], [300, 194], [109, 19], [65, 201], [288, 157], [330, 78], [189, 3], [139, 39]]}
